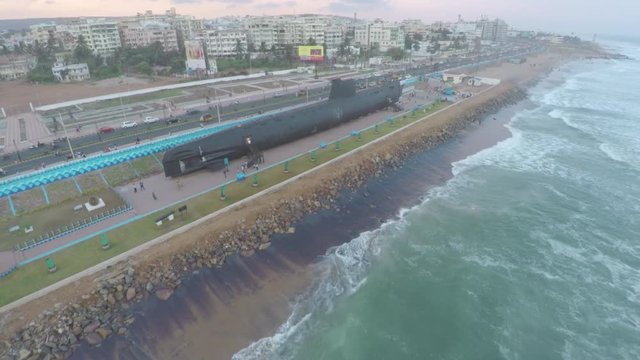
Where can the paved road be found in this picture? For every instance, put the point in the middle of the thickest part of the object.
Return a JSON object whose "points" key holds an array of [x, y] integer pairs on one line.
{"points": [[230, 108]]}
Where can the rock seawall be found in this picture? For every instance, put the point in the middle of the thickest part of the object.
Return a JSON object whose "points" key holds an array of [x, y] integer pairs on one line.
{"points": [[106, 309]]}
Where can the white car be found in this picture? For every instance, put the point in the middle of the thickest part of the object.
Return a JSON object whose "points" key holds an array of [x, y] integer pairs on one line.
{"points": [[128, 124], [150, 119]]}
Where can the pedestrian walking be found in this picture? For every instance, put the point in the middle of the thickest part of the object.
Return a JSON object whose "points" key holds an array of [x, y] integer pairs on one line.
{"points": [[135, 189], [154, 195], [225, 173], [141, 186]]}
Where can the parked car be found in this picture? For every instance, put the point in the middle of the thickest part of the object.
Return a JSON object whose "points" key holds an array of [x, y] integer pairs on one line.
{"points": [[193, 112], [206, 117], [128, 124], [106, 130], [172, 120], [150, 119]]}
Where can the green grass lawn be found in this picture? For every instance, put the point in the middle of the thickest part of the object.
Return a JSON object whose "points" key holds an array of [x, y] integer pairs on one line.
{"points": [[54, 218], [146, 166], [90, 181], [32, 277], [119, 174]]}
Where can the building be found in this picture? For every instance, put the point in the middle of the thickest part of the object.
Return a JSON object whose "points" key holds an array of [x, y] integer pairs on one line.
{"points": [[42, 32], [495, 30], [224, 43], [71, 72], [140, 34], [16, 67], [379, 34], [101, 35]]}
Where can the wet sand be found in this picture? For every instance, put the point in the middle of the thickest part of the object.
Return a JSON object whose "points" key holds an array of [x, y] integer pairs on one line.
{"points": [[217, 312]]}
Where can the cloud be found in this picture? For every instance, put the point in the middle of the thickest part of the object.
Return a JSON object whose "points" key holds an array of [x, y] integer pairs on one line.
{"points": [[186, 1], [350, 6], [232, 2], [272, 4]]}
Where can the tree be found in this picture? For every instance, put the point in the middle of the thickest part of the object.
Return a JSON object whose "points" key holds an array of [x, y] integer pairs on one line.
{"points": [[82, 53], [5, 50], [52, 44], [396, 53], [417, 37], [251, 47], [416, 46], [239, 49], [408, 42], [143, 67], [311, 41], [263, 48]]}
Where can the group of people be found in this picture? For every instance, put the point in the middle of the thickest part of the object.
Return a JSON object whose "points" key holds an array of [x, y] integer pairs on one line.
{"points": [[142, 188]]}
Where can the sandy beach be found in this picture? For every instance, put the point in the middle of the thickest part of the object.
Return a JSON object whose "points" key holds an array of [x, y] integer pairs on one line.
{"points": [[216, 312]]}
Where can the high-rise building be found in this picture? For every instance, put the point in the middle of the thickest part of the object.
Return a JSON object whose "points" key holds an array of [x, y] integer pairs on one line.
{"points": [[101, 35], [495, 30], [144, 33]]}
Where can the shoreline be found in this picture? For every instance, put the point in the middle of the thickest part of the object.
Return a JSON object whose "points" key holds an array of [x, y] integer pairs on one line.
{"points": [[258, 291], [201, 248]]}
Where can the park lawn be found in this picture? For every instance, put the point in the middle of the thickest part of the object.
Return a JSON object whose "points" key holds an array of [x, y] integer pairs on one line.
{"points": [[28, 200], [5, 209], [61, 190], [33, 276], [90, 181], [146, 166], [119, 174], [54, 218]]}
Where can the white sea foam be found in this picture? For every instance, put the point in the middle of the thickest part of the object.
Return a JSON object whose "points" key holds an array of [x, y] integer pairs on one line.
{"points": [[341, 272]]}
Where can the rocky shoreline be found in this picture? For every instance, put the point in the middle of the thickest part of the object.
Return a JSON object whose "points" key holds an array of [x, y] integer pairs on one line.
{"points": [[106, 309]]}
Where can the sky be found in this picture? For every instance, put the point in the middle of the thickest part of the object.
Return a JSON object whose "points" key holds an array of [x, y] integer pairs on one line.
{"points": [[584, 17]]}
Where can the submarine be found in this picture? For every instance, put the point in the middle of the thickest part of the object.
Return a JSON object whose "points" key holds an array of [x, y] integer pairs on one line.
{"points": [[344, 104]]}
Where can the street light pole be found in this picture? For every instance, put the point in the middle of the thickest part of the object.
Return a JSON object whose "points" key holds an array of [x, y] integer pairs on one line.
{"points": [[124, 114], [64, 128], [218, 111]]}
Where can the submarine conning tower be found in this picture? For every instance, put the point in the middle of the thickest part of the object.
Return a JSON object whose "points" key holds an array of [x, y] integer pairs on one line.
{"points": [[341, 89]]}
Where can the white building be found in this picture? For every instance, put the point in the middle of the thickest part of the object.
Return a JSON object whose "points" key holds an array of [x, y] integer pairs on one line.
{"points": [[379, 34], [71, 72], [101, 35], [495, 30], [42, 32], [16, 67], [224, 43], [140, 34]]}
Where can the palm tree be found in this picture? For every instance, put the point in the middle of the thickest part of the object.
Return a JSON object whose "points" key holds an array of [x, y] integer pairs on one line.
{"points": [[263, 48]]}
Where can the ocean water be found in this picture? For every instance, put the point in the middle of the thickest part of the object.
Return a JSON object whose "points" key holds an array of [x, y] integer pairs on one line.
{"points": [[531, 251]]}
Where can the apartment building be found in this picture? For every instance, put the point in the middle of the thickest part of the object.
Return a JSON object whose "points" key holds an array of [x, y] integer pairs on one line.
{"points": [[71, 72], [102, 36], [144, 33], [494, 30], [379, 34], [16, 67], [42, 32], [223, 43]]}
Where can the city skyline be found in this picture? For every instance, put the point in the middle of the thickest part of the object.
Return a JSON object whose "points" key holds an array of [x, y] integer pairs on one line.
{"points": [[593, 17]]}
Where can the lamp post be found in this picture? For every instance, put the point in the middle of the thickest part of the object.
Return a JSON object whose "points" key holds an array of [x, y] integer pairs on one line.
{"points": [[64, 129]]}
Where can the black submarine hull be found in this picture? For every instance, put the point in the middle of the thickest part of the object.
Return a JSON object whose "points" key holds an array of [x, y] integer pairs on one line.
{"points": [[344, 104]]}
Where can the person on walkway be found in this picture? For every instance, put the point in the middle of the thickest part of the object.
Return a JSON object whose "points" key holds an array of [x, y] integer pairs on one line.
{"points": [[135, 189], [141, 186], [154, 196]]}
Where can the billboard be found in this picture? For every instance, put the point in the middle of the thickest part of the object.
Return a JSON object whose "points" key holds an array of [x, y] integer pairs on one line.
{"points": [[311, 53], [195, 56]]}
